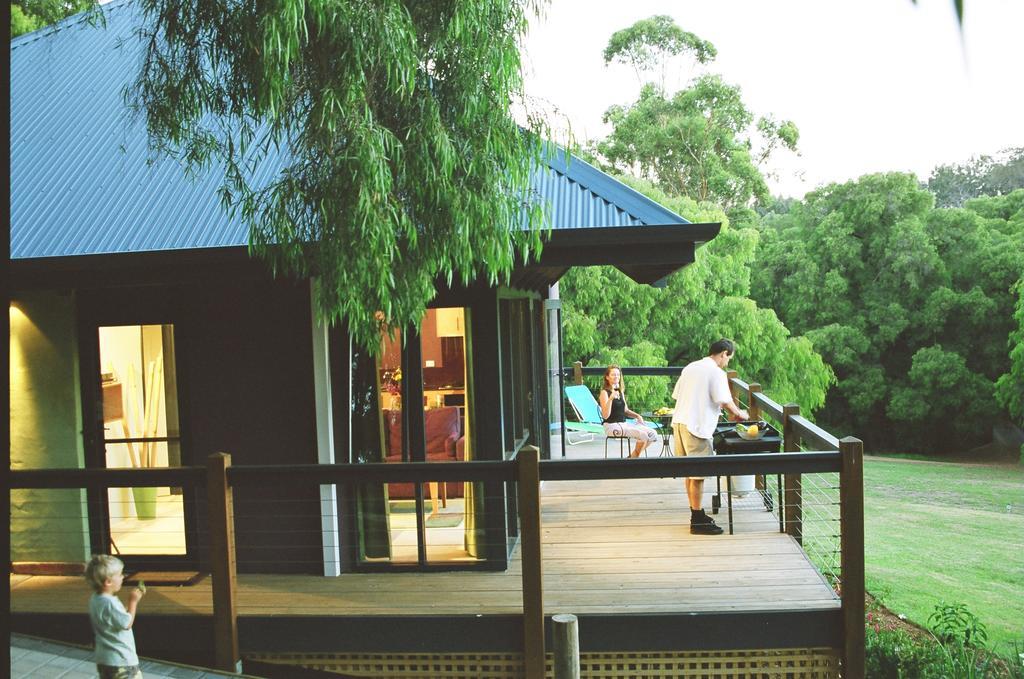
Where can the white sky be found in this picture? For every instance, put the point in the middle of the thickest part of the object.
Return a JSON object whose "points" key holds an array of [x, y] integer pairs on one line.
{"points": [[873, 85]]}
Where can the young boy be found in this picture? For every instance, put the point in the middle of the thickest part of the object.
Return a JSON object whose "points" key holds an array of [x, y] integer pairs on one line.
{"points": [[111, 623]]}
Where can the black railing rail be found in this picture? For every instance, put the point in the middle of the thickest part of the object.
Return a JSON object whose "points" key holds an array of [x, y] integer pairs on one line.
{"points": [[101, 479], [678, 467]]}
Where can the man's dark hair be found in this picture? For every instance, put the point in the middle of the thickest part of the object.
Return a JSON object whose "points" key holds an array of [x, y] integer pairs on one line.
{"points": [[722, 345]]}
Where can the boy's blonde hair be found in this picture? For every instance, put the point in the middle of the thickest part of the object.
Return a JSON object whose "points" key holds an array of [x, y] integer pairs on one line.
{"points": [[101, 568]]}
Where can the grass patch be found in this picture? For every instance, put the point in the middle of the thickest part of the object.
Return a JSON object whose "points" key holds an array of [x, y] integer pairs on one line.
{"points": [[940, 531]]}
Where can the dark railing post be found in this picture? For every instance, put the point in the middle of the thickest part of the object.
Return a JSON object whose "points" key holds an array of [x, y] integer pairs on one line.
{"points": [[792, 496], [851, 521], [222, 562], [528, 491], [755, 414], [752, 407], [731, 375], [577, 372]]}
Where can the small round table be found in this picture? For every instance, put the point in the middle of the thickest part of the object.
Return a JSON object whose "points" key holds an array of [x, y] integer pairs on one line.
{"points": [[665, 429]]}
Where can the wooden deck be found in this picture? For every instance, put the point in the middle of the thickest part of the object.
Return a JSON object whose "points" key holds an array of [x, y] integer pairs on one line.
{"points": [[609, 547]]}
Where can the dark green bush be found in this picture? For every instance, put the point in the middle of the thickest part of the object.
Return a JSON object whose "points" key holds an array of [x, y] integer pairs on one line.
{"points": [[954, 650], [894, 654]]}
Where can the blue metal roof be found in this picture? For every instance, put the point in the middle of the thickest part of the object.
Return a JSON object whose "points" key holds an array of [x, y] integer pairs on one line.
{"points": [[84, 182]]}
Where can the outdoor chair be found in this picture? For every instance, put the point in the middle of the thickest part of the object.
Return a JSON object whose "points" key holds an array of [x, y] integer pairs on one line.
{"points": [[588, 412]]}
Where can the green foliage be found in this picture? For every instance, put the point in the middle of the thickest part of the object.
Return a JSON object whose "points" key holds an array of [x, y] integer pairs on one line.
{"points": [[891, 653], [909, 304], [22, 22], [31, 15], [983, 175], [1010, 386], [939, 383], [644, 394], [954, 623], [956, 650], [404, 162], [605, 313]]}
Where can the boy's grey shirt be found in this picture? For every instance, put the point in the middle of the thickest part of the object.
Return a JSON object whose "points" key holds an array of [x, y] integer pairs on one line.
{"points": [[115, 645]]}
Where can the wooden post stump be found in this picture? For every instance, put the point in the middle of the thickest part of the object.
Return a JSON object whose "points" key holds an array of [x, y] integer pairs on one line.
{"points": [[566, 637]]}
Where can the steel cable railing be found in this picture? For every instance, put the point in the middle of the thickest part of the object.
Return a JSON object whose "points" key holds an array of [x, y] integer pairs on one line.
{"points": [[623, 516]]}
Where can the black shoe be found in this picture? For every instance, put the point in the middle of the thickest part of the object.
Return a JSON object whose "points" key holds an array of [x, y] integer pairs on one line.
{"points": [[703, 524]]}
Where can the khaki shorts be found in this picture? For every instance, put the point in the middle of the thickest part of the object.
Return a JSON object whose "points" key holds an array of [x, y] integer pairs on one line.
{"points": [[688, 445]]}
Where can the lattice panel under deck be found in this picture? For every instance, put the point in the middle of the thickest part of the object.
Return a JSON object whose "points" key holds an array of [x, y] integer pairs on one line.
{"points": [[815, 663]]}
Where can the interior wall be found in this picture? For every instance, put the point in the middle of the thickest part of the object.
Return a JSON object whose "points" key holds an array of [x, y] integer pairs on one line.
{"points": [[431, 343], [45, 421]]}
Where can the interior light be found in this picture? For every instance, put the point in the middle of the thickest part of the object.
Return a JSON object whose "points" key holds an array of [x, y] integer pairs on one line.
{"points": [[16, 314]]}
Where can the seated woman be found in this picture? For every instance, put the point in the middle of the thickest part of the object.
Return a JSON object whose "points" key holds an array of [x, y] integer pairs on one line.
{"points": [[614, 411]]}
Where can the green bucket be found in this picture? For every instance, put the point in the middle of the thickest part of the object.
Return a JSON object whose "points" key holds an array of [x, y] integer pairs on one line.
{"points": [[145, 502]]}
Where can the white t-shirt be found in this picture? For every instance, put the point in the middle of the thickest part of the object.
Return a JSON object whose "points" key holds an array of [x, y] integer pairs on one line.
{"points": [[115, 645], [700, 392]]}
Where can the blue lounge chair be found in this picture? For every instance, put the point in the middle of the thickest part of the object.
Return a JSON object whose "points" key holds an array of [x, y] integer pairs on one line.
{"points": [[588, 412]]}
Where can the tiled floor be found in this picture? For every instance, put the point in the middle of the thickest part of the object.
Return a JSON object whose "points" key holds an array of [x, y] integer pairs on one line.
{"points": [[32, 657]]}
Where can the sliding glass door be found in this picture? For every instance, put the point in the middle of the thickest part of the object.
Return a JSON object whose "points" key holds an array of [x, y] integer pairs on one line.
{"points": [[413, 403], [141, 430]]}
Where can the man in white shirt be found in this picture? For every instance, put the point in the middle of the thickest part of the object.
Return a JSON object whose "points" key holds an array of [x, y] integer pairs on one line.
{"points": [[701, 391]]}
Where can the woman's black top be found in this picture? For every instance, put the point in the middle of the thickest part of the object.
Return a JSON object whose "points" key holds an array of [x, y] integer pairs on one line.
{"points": [[618, 411]]}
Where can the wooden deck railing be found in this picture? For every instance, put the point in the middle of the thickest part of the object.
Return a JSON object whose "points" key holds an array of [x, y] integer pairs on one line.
{"points": [[220, 478], [799, 433]]}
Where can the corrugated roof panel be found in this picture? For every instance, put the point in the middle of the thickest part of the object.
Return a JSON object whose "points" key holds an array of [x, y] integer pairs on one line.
{"points": [[83, 180]]}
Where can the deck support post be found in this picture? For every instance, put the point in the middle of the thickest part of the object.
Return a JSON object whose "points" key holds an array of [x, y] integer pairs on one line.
{"points": [[528, 491], [793, 496], [752, 407], [577, 372], [730, 375], [222, 562], [851, 519], [755, 414], [565, 634]]}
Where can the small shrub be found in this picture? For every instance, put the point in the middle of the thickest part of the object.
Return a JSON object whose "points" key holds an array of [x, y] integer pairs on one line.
{"points": [[955, 625], [894, 654], [955, 649]]}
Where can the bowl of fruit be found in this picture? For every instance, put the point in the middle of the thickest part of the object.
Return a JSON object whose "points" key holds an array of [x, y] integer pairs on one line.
{"points": [[751, 432], [662, 412]]}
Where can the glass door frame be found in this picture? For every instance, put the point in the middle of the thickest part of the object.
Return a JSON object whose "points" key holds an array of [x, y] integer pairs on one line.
{"points": [[97, 310], [413, 427]]}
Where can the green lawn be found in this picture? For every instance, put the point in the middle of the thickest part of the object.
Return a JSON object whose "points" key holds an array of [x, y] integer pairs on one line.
{"points": [[939, 531]]}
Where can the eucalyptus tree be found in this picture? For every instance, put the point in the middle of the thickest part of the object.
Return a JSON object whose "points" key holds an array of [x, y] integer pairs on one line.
{"points": [[401, 163], [702, 142], [650, 44]]}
